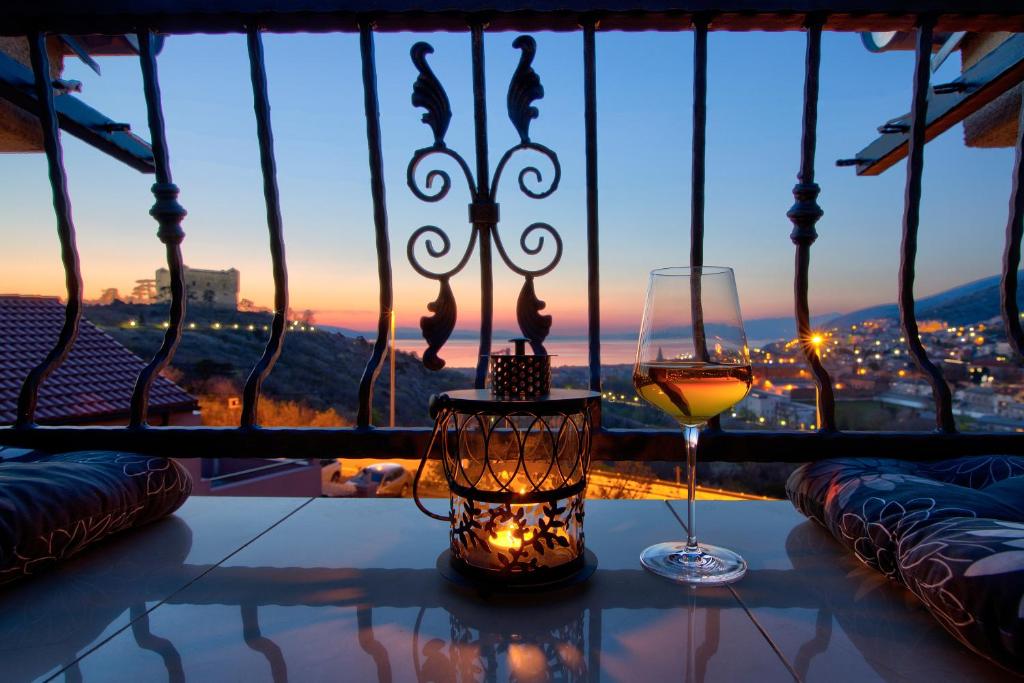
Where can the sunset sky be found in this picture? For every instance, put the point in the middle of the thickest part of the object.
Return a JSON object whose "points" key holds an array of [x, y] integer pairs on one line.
{"points": [[644, 90]]}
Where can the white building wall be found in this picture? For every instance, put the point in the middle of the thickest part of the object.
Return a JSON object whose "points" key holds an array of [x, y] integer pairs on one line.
{"points": [[216, 288]]}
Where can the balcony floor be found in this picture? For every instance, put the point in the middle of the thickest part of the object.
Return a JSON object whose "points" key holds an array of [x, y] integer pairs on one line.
{"points": [[254, 589]]}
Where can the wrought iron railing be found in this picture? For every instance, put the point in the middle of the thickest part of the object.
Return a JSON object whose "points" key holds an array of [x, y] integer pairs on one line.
{"points": [[252, 17]]}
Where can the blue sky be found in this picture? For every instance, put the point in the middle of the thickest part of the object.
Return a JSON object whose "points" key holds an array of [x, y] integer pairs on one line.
{"points": [[644, 90]]}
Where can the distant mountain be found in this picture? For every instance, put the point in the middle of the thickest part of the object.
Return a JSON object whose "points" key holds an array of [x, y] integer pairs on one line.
{"points": [[962, 305], [762, 329]]}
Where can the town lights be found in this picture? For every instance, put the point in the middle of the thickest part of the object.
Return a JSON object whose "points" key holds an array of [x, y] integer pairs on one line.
{"points": [[515, 458]]}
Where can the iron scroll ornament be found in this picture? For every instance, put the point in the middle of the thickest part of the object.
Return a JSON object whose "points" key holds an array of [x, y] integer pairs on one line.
{"points": [[524, 89]]}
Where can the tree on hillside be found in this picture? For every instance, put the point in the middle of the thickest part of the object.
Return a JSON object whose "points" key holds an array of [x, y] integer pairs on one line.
{"points": [[221, 411]]}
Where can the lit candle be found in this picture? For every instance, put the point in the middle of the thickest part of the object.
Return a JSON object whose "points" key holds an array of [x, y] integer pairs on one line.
{"points": [[508, 537]]}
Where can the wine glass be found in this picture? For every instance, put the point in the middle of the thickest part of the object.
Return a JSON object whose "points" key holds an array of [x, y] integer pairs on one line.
{"points": [[692, 362]]}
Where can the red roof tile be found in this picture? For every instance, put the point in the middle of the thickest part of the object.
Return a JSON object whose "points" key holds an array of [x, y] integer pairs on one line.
{"points": [[95, 383]]}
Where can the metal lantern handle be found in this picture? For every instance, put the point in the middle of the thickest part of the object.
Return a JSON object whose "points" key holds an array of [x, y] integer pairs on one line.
{"points": [[440, 425]]}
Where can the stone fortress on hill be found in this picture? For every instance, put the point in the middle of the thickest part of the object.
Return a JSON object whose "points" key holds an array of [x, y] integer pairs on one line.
{"points": [[216, 288]]}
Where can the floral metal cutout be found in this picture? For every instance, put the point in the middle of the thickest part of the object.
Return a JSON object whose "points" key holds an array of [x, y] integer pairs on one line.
{"points": [[524, 89], [513, 539]]}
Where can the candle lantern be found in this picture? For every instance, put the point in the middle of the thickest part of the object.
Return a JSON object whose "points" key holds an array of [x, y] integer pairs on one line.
{"points": [[515, 458]]}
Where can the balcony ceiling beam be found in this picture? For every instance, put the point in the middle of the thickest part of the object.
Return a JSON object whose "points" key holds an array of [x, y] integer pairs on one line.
{"points": [[948, 105], [76, 117], [80, 17]]}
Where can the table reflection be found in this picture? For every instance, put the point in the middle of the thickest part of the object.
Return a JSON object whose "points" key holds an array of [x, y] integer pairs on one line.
{"points": [[432, 631], [526, 650]]}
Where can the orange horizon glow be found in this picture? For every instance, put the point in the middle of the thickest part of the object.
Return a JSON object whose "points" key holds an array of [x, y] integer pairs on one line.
{"points": [[410, 310], [620, 311]]}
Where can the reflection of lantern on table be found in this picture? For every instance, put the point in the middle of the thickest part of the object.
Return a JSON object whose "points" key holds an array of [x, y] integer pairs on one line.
{"points": [[527, 644], [517, 471]]}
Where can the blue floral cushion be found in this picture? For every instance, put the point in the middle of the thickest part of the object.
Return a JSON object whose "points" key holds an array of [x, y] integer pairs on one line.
{"points": [[951, 531], [55, 506]]}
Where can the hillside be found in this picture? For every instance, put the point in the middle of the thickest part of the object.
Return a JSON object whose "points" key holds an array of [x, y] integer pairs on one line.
{"points": [[319, 369], [962, 305]]}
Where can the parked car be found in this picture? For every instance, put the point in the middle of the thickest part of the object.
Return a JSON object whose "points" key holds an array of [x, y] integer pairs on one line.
{"points": [[330, 470], [381, 480]]}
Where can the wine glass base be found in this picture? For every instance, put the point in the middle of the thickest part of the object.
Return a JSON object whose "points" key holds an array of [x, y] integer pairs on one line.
{"points": [[710, 566]]}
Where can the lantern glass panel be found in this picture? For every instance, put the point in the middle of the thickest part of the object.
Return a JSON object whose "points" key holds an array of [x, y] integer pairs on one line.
{"points": [[518, 454]]}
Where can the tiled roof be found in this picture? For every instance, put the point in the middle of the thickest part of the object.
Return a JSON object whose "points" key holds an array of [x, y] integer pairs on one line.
{"points": [[95, 383]]}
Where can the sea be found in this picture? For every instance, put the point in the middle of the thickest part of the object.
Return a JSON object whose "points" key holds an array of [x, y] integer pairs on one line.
{"points": [[566, 351]]}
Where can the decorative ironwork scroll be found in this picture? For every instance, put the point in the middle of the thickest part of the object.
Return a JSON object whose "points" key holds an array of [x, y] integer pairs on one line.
{"points": [[524, 89]]}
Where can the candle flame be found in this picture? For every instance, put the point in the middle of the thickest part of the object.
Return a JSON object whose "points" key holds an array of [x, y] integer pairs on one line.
{"points": [[508, 537]]}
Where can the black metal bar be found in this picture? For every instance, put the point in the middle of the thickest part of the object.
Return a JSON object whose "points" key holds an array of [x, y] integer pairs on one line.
{"points": [[255, 640], [593, 234], [168, 214], [699, 143], [163, 647], [369, 643], [483, 184], [1011, 251], [911, 221], [769, 447], [261, 105], [380, 222], [608, 444], [697, 185], [223, 16], [65, 233], [804, 215]]}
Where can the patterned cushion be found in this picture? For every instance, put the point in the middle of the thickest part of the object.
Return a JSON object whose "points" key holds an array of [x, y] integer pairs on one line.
{"points": [[951, 531], [55, 506]]}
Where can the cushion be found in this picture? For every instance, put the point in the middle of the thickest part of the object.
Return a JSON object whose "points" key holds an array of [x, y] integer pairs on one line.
{"points": [[951, 531], [54, 506]]}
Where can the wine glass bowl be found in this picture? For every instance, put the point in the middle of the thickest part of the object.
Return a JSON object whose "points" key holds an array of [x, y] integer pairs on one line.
{"points": [[692, 363]]}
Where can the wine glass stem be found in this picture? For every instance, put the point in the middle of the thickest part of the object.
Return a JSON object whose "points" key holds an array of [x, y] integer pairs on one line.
{"points": [[692, 433]]}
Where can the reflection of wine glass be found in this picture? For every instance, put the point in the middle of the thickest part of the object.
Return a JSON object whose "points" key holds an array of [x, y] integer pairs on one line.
{"points": [[692, 362]]}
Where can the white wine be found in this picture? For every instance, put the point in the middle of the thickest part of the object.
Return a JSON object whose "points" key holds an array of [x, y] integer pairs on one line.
{"points": [[690, 391]]}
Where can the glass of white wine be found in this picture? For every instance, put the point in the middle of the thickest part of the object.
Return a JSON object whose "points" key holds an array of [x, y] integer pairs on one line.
{"points": [[692, 362]]}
